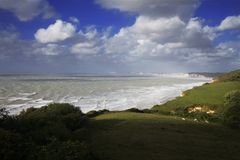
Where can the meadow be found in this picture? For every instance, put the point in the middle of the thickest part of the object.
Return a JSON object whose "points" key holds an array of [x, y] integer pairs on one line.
{"points": [[211, 95], [135, 136]]}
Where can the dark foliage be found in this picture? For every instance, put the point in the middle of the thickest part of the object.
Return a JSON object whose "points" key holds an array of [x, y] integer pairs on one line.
{"points": [[136, 110], [93, 113], [3, 113], [232, 113], [56, 132]]}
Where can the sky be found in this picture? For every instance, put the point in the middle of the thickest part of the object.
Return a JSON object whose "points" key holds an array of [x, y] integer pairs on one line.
{"points": [[119, 36]]}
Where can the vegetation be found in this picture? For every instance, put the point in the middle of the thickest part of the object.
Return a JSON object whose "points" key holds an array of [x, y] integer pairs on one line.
{"points": [[209, 96], [134, 136], [231, 76], [94, 113], [232, 112], [207, 102], [56, 132]]}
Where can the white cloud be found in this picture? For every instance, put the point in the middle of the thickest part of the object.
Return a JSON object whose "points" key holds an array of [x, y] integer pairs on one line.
{"points": [[161, 29], [28, 9], [12, 46], [212, 32], [126, 48], [145, 31], [89, 42], [231, 22], [58, 31], [90, 33], [162, 37], [153, 8], [74, 20], [165, 31], [194, 35], [85, 48], [48, 50]]}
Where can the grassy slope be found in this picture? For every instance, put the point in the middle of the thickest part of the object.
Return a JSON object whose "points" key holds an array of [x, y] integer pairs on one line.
{"points": [[231, 76], [135, 136], [211, 95]]}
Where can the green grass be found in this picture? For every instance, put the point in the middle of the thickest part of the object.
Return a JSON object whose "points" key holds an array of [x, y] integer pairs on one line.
{"points": [[135, 136], [211, 95], [231, 76]]}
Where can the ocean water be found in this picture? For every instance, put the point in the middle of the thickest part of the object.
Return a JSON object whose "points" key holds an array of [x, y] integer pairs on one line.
{"points": [[93, 92]]}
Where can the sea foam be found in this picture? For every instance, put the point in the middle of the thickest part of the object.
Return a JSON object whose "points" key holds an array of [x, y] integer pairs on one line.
{"points": [[97, 93]]}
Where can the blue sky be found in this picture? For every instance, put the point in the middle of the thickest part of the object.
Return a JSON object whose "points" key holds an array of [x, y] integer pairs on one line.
{"points": [[119, 36]]}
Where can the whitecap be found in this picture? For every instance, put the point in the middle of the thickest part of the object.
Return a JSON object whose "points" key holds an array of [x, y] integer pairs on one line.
{"points": [[27, 94], [12, 99]]}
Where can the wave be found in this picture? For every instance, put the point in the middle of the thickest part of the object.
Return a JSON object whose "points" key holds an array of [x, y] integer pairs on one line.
{"points": [[184, 76], [27, 94], [12, 99], [22, 97], [121, 99]]}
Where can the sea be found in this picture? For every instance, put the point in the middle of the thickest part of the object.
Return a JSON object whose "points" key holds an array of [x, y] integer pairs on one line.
{"points": [[94, 92]]}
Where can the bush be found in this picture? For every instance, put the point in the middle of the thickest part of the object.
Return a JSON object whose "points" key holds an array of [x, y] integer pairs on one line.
{"points": [[68, 150], [94, 113], [231, 115], [3, 113], [65, 115], [135, 110], [56, 132], [232, 98], [13, 146], [149, 111]]}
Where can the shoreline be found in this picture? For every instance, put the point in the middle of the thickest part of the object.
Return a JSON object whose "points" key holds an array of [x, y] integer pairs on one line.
{"points": [[171, 94]]}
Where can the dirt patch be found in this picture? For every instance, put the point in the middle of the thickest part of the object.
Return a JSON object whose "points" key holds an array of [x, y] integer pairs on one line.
{"points": [[200, 108]]}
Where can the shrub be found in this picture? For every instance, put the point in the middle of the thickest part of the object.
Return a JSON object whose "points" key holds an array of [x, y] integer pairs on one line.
{"points": [[94, 113], [69, 150], [62, 114], [135, 110], [3, 113], [232, 98], [56, 131], [231, 115], [149, 111]]}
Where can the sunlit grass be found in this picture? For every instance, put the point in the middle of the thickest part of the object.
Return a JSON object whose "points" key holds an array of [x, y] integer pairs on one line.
{"points": [[210, 94]]}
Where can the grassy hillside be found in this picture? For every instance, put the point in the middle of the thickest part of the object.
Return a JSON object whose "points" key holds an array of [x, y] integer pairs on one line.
{"points": [[205, 102], [231, 76], [211, 95], [135, 136], [62, 132]]}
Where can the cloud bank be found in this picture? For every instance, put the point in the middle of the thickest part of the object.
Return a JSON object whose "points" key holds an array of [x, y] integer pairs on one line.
{"points": [[164, 37], [231, 22], [26, 10], [153, 8]]}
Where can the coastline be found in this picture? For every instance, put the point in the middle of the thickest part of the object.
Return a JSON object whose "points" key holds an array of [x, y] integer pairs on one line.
{"points": [[165, 126], [148, 96]]}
